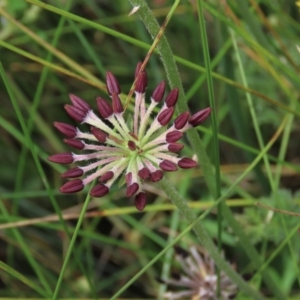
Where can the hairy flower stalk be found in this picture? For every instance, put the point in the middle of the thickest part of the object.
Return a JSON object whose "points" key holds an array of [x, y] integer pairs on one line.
{"points": [[199, 281], [143, 152]]}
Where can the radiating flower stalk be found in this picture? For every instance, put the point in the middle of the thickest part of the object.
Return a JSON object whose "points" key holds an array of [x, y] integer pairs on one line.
{"points": [[199, 281], [142, 152]]}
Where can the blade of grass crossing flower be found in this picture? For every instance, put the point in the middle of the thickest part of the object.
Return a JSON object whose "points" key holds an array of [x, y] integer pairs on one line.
{"points": [[153, 46], [174, 79]]}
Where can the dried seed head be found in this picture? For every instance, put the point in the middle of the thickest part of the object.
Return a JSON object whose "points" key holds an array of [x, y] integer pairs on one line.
{"points": [[198, 278], [112, 84]]}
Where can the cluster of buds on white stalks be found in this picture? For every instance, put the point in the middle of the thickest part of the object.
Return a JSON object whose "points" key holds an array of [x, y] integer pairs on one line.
{"points": [[142, 153]]}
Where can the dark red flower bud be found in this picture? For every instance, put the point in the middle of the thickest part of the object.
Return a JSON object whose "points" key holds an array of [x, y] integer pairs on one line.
{"points": [[181, 120], [132, 189], [173, 136], [159, 91], [104, 108], [98, 134], [168, 166], [131, 145], [199, 117], [66, 129], [117, 104], [77, 144], [72, 173], [112, 84], [141, 82], [62, 158], [99, 190], [187, 163], [72, 186], [175, 147], [156, 175], [144, 173], [79, 103], [140, 201], [76, 113], [137, 69], [128, 178], [165, 116], [106, 176], [172, 97]]}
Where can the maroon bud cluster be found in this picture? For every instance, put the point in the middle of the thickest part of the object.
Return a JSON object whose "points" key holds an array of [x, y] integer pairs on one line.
{"points": [[142, 148]]}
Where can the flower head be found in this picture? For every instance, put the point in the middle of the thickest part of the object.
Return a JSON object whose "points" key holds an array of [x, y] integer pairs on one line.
{"points": [[200, 279], [142, 152]]}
